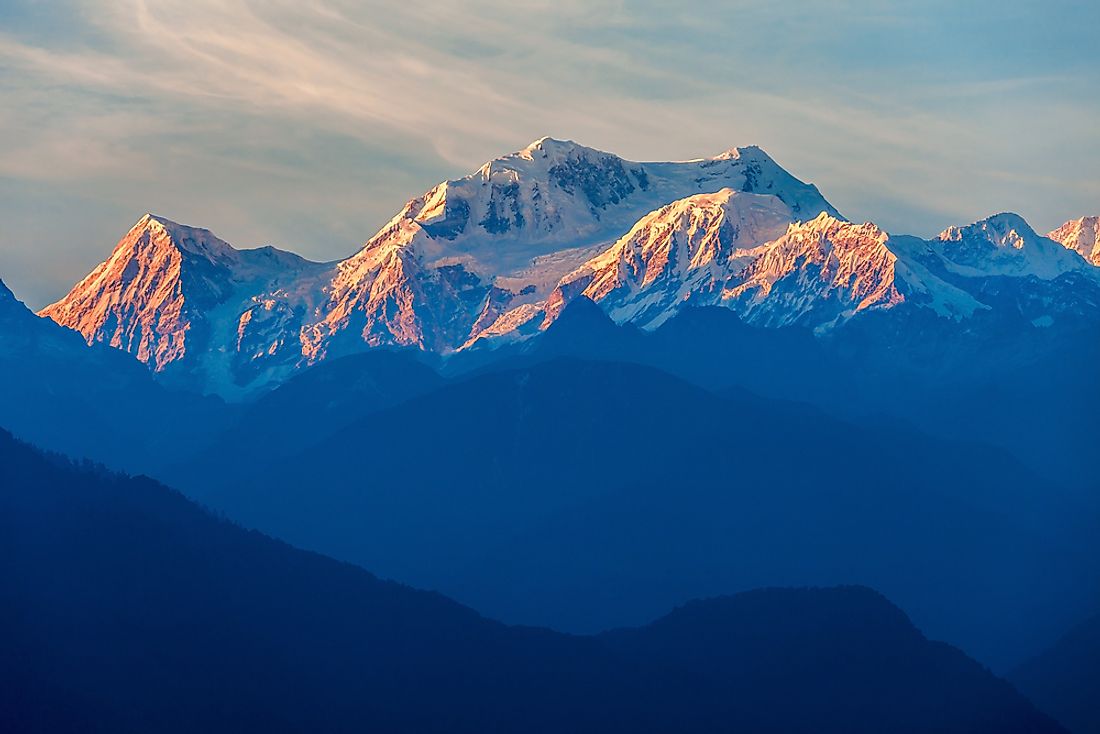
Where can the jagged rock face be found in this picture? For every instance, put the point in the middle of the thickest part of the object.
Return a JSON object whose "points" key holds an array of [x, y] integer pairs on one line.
{"points": [[139, 300], [681, 254], [743, 251], [466, 257], [496, 255], [1007, 266], [823, 273], [476, 250], [1004, 244], [816, 273], [1082, 236], [179, 298]]}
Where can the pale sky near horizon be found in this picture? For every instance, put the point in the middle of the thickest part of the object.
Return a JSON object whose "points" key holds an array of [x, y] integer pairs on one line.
{"points": [[308, 125]]}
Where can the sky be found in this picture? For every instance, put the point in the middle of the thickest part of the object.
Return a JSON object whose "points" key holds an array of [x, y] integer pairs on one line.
{"points": [[308, 125]]}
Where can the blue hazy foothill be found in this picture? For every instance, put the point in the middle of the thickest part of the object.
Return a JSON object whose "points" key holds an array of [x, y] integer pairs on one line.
{"points": [[189, 623]]}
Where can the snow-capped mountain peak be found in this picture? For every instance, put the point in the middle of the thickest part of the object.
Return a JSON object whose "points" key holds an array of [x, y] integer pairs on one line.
{"points": [[498, 254], [1080, 235], [171, 294], [1004, 244], [680, 254], [1006, 229], [748, 153], [816, 273], [139, 297], [747, 252], [161, 231], [471, 249], [549, 148]]}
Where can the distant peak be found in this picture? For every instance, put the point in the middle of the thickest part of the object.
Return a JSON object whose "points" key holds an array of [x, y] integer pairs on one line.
{"points": [[584, 307], [825, 220], [1075, 226], [1003, 228], [828, 226], [555, 149], [181, 236], [1081, 235], [158, 225], [581, 314], [726, 198], [746, 152], [149, 219], [1007, 219], [549, 143], [720, 197]]}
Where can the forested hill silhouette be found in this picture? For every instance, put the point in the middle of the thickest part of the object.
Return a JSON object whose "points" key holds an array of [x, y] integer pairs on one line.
{"points": [[584, 495], [1065, 679], [124, 608]]}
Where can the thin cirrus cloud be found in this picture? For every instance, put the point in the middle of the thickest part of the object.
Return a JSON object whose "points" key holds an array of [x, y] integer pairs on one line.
{"points": [[309, 124]]}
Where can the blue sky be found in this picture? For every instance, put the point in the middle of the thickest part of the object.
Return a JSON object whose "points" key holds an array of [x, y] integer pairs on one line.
{"points": [[308, 125]]}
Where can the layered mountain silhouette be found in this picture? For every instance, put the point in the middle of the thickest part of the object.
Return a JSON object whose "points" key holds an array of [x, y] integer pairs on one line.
{"points": [[127, 608], [961, 382], [493, 258], [314, 403], [571, 391], [1064, 679], [92, 402], [583, 495], [307, 461]]}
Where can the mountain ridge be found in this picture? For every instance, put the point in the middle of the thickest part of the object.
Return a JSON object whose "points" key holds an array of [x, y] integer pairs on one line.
{"points": [[161, 293], [492, 257], [190, 623], [545, 480], [91, 401], [1081, 235]]}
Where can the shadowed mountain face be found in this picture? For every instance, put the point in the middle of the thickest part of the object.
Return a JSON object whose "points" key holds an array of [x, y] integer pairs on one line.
{"points": [[1018, 387], [313, 404], [585, 495], [453, 493], [755, 641], [93, 402], [1065, 679], [124, 607]]}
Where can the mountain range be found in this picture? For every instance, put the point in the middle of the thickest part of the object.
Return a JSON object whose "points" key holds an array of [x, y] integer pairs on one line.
{"points": [[493, 257], [573, 392], [583, 495], [185, 623]]}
